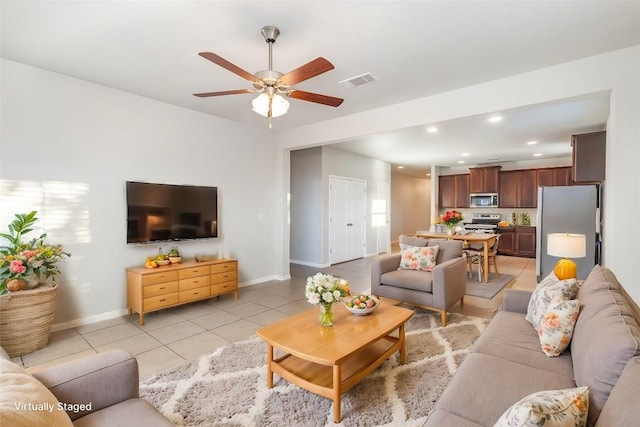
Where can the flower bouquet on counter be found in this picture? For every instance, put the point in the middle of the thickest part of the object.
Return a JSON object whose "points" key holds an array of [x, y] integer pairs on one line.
{"points": [[451, 218]]}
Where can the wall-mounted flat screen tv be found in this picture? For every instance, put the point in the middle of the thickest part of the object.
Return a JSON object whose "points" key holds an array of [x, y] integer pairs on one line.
{"points": [[166, 212]]}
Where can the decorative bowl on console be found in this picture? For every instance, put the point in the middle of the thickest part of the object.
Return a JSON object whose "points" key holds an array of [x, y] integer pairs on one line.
{"points": [[175, 259]]}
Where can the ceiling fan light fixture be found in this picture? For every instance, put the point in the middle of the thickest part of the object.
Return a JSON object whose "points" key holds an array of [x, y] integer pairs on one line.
{"points": [[279, 105]]}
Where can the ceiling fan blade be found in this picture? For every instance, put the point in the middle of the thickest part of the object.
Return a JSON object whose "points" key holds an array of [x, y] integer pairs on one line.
{"points": [[218, 60], [306, 71], [314, 97], [225, 92]]}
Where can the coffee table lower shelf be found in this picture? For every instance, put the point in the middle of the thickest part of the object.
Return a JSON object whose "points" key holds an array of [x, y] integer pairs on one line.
{"points": [[332, 380]]}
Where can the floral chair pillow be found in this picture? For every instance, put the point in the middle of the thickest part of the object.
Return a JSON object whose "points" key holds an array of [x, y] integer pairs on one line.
{"points": [[419, 258]]}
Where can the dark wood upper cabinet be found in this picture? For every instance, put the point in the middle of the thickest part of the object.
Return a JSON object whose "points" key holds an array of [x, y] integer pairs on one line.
{"points": [[462, 191], [454, 191], [484, 180], [589, 157], [508, 193], [447, 191], [519, 188], [527, 188], [554, 176]]}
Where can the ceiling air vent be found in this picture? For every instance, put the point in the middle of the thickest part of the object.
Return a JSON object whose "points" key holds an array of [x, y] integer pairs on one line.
{"points": [[361, 80]]}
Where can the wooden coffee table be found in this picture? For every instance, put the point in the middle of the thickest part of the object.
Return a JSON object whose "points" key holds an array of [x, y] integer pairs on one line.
{"points": [[330, 360]]}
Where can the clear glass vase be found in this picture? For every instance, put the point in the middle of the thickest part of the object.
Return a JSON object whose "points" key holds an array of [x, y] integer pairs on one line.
{"points": [[326, 314]]}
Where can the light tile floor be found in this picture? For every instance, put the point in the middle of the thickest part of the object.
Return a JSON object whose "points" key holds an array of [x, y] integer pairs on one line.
{"points": [[174, 336]]}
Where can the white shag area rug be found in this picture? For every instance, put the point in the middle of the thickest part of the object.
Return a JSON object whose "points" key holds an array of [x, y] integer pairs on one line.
{"points": [[228, 387]]}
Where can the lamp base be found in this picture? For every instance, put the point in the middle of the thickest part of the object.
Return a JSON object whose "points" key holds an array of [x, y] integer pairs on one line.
{"points": [[566, 269]]}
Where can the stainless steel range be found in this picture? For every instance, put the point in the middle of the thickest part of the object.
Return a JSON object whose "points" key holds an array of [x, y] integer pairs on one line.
{"points": [[483, 223]]}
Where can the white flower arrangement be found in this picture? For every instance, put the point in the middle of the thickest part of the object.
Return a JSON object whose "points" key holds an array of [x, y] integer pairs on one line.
{"points": [[325, 289]]}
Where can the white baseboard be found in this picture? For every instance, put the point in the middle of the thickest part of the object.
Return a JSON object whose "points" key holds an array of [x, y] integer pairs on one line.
{"points": [[309, 264], [123, 312], [89, 319]]}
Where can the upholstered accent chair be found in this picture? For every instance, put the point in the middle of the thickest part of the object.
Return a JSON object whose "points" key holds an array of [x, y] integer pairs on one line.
{"points": [[438, 289]]}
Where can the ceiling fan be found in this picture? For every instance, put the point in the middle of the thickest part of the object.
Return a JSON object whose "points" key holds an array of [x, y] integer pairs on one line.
{"points": [[271, 84]]}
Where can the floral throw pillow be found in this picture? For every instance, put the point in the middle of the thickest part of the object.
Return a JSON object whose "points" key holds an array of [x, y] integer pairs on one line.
{"points": [[556, 326], [548, 288], [419, 258], [550, 408]]}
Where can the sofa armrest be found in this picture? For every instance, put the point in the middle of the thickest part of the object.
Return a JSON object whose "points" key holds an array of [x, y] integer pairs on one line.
{"points": [[516, 300], [449, 282], [96, 381], [380, 265]]}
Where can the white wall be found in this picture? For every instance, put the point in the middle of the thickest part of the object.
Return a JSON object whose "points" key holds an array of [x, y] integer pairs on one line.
{"points": [[68, 146], [307, 207], [616, 71], [410, 204], [311, 169]]}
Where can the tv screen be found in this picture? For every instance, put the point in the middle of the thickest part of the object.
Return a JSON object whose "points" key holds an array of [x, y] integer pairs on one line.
{"points": [[165, 212]]}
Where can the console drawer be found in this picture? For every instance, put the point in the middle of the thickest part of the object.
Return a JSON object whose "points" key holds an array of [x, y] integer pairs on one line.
{"points": [[224, 277], [221, 288], [194, 282], [160, 301], [160, 289], [160, 277], [194, 294], [194, 272]]}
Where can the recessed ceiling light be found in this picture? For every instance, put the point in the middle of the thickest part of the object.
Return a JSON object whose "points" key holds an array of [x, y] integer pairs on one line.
{"points": [[465, 154], [532, 142], [400, 167], [537, 155], [460, 161], [432, 129], [494, 119]]}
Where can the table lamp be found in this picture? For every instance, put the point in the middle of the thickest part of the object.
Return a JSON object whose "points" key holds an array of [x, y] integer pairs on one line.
{"points": [[566, 245]]}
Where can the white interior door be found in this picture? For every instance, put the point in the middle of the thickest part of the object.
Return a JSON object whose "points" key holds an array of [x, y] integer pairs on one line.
{"points": [[347, 219], [380, 217]]}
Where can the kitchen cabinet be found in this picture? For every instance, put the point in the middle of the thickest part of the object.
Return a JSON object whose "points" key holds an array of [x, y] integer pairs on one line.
{"points": [[525, 241], [517, 241], [453, 191], [554, 176], [518, 189], [507, 241], [588, 157], [484, 180]]}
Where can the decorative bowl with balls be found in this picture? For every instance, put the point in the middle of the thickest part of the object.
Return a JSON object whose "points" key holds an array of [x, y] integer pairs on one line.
{"points": [[362, 304]]}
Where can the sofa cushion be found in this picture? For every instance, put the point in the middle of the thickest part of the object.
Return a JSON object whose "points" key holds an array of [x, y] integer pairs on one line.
{"points": [[620, 409], [548, 288], [448, 249], [406, 241], [561, 408], [556, 326], [480, 390], [509, 336], [418, 258], [24, 401], [606, 336], [409, 279]]}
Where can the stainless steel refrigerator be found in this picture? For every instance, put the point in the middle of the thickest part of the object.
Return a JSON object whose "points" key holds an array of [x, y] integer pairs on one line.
{"points": [[570, 209]]}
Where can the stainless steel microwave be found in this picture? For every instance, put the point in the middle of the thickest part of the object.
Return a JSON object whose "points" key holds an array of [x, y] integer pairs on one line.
{"points": [[483, 200]]}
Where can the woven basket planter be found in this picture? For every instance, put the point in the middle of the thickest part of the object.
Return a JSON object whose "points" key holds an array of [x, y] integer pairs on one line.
{"points": [[26, 318]]}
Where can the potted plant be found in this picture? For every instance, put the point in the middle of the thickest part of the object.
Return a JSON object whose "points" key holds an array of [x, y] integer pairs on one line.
{"points": [[26, 264], [26, 316], [174, 255]]}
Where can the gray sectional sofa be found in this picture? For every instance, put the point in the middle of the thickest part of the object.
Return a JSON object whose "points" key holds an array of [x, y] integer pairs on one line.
{"points": [[99, 390], [506, 363]]}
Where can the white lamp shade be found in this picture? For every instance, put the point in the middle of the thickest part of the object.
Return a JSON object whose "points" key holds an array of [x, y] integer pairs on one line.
{"points": [[566, 245], [279, 105]]}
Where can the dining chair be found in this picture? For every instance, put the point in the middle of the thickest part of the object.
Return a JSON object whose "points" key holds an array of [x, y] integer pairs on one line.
{"points": [[475, 255]]}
